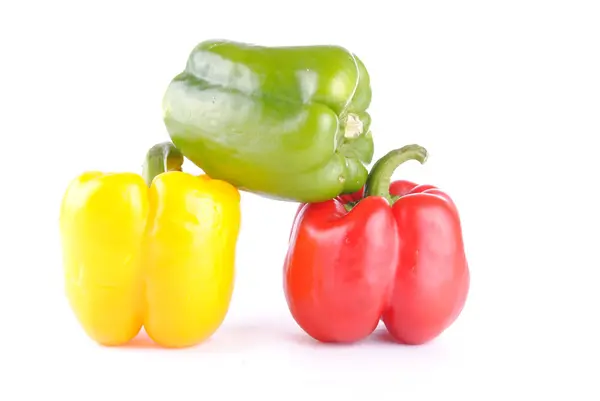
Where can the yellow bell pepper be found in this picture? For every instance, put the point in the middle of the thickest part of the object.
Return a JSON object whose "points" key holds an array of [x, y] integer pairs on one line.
{"points": [[158, 254]]}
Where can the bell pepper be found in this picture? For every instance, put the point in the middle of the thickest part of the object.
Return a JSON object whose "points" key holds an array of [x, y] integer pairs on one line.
{"points": [[159, 256], [392, 252], [288, 123]]}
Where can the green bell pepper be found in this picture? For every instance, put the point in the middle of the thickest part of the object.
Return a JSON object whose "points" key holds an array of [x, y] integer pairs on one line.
{"points": [[288, 123]]}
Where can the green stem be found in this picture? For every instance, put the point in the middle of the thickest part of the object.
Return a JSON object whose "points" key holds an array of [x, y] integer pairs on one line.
{"points": [[380, 177], [161, 158]]}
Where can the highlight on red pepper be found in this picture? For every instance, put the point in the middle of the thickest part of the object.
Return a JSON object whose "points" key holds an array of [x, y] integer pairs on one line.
{"points": [[392, 252]]}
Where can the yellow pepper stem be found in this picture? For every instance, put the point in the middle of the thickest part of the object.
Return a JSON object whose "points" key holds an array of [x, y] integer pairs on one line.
{"points": [[161, 158]]}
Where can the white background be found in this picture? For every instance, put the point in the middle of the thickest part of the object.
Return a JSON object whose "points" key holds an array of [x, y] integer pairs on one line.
{"points": [[504, 94]]}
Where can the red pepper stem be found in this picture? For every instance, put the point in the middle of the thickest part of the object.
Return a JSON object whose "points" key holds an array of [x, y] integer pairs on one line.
{"points": [[380, 177], [161, 158]]}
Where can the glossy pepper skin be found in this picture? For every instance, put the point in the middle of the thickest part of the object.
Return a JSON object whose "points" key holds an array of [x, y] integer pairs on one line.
{"points": [[391, 252], [288, 123], [161, 257]]}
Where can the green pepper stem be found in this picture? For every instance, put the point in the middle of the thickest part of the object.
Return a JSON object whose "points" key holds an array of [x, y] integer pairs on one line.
{"points": [[161, 158], [380, 177]]}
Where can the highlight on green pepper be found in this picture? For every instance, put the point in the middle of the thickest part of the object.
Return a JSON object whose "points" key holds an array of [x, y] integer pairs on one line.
{"points": [[287, 123]]}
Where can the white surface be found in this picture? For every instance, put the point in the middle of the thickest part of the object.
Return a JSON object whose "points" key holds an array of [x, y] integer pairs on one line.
{"points": [[505, 95]]}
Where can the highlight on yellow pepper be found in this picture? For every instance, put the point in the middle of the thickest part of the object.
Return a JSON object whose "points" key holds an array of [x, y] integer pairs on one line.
{"points": [[156, 251]]}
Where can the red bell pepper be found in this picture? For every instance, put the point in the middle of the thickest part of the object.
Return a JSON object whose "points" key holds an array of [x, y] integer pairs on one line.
{"points": [[392, 252]]}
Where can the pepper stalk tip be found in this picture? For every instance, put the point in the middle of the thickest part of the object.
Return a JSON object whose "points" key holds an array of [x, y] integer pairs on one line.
{"points": [[354, 126]]}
